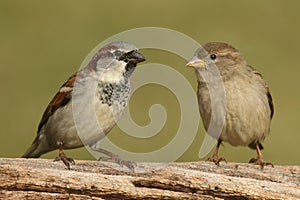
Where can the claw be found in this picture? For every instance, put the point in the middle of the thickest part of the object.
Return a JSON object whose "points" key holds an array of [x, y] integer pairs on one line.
{"points": [[216, 160], [259, 159], [62, 156], [115, 158], [66, 160], [215, 157]]}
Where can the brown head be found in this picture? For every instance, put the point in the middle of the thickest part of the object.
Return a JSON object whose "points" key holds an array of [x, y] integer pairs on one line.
{"points": [[224, 56]]}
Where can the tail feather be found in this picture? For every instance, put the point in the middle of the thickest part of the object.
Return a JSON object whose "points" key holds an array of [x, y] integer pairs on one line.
{"points": [[253, 145], [38, 147], [32, 152]]}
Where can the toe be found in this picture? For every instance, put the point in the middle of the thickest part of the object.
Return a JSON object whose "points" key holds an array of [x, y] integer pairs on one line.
{"points": [[268, 164], [104, 159], [71, 160], [221, 159], [216, 160], [253, 160], [258, 161], [130, 165]]}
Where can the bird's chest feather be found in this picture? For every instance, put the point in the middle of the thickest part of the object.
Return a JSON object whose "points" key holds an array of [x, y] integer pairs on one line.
{"points": [[245, 100], [240, 97], [113, 94], [111, 102], [93, 112], [247, 112]]}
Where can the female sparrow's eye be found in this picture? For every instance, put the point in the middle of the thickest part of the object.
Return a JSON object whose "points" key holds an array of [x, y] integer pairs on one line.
{"points": [[213, 56]]}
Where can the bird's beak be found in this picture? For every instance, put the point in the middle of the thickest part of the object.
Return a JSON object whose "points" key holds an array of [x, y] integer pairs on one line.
{"points": [[137, 57], [196, 63]]}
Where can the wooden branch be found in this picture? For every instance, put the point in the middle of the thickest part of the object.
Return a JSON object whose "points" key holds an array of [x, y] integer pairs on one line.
{"points": [[44, 179]]}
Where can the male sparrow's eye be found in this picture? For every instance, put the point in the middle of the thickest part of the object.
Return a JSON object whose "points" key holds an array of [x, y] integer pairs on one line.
{"points": [[213, 56], [117, 53]]}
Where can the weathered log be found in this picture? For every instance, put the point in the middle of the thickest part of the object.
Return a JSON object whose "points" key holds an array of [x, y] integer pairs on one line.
{"points": [[45, 179]]}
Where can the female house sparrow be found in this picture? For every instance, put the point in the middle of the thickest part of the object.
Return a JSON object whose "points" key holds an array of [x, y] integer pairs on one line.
{"points": [[98, 91], [248, 102]]}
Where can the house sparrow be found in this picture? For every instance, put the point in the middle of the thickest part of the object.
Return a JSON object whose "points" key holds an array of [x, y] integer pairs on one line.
{"points": [[92, 100], [248, 103]]}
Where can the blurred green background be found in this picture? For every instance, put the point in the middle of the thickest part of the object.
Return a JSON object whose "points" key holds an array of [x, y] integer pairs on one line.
{"points": [[43, 42]]}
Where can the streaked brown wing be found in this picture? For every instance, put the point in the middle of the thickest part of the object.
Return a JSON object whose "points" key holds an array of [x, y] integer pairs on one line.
{"points": [[59, 100], [269, 96]]}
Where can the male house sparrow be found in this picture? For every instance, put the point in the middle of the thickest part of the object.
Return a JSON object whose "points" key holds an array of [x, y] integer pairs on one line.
{"points": [[248, 102], [92, 100]]}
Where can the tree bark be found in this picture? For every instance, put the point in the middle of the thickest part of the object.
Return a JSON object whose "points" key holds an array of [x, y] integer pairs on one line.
{"points": [[45, 179]]}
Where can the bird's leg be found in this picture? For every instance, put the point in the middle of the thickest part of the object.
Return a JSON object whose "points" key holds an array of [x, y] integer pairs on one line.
{"points": [[114, 158], [259, 160], [62, 156], [215, 158]]}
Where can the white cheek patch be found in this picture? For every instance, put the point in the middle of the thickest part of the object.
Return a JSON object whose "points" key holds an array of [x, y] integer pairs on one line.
{"points": [[113, 73]]}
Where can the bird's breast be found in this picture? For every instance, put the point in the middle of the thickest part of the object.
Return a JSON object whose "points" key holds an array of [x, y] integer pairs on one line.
{"points": [[92, 113], [111, 100], [247, 111]]}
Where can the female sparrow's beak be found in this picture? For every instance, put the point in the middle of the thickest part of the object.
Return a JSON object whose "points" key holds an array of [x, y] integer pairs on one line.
{"points": [[196, 63]]}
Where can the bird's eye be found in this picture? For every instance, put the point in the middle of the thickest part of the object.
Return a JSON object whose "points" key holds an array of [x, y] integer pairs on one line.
{"points": [[118, 53], [213, 56]]}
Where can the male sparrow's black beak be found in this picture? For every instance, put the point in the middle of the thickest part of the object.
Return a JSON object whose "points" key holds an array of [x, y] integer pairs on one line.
{"points": [[135, 57]]}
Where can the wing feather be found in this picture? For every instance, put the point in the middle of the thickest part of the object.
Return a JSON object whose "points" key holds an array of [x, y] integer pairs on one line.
{"points": [[61, 98]]}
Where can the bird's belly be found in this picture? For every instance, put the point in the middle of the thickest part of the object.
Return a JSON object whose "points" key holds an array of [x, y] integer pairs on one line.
{"points": [[61, 128], [247, 114], [108, 116], [87, 127]]}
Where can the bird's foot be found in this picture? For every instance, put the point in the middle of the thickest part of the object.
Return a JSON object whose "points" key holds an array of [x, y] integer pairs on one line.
{"points": [[259, 161], [216, 160], [66, 160], [116, 159]]}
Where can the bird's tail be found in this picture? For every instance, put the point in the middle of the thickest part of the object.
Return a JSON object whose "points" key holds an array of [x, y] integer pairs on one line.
{"points": [[37, 148], [253, 145]]}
